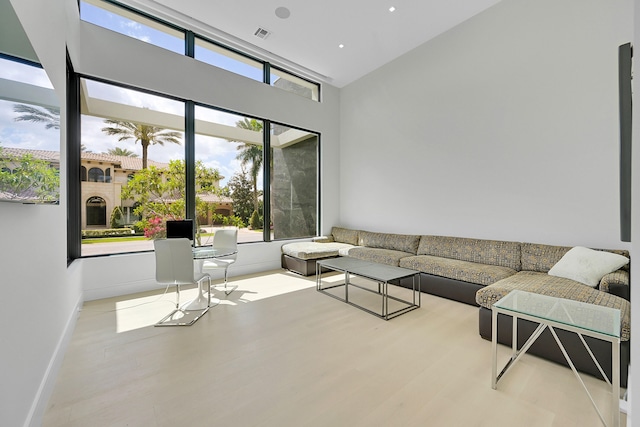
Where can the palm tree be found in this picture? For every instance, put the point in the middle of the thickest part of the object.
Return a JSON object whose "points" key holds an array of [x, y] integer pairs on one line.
{"points": [[251, 155], [117, 151], [146, 134], [50, 116]]}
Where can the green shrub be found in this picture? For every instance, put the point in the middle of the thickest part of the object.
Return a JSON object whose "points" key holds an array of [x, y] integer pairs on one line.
{"points": [[237, 222], [232, 220], [116, 217], [138, 227], [255, 222], [108, 232]]}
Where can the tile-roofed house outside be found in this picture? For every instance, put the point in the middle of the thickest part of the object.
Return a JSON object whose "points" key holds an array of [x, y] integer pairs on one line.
{"points": [[50, 156], [103, 176], [122, 162], [33, 185]]}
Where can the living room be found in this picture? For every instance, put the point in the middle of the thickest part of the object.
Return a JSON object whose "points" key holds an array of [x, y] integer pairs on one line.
{"points": [[505, 127]]}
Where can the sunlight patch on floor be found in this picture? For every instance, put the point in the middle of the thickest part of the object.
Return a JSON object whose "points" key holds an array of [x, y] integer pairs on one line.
{"points": [[143, 310]]}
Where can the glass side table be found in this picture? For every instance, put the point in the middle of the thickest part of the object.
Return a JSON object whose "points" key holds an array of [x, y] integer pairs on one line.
{"points": [[550, 312]]}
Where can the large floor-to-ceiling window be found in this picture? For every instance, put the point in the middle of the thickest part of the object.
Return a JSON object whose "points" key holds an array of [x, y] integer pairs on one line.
{"points": [[135, 157], [293, 181], [146, 157], [234, 144], [132, 161]]}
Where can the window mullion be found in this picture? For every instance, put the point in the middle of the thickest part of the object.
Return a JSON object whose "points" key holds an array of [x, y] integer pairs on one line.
{"points": [[190, 174], [267, 73], [266, 180], [189, 43], [74, 178]]}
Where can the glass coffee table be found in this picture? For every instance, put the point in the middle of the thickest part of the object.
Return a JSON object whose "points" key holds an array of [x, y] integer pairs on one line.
{"points": [[557, 313], [381, 273]]}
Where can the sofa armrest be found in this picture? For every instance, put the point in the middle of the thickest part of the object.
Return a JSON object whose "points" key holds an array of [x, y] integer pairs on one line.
{"points": [[323, 239], [616, 283]]}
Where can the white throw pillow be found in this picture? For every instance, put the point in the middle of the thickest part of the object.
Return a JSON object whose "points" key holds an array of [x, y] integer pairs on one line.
{"points": [[587, 266]]}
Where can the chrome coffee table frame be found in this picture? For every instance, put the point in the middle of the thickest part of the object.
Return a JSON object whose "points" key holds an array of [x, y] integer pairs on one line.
{"points": [[380, 273]]}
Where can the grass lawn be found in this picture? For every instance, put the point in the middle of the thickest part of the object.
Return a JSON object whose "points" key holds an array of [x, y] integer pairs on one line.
{"points": [[123, 239]]}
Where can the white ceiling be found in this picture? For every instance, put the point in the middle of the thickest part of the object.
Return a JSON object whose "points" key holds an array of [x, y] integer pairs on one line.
{"points": [[308, 40]]}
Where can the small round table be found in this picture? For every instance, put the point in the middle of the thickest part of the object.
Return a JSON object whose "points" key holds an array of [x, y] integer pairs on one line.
{"points": [[201, 253]]}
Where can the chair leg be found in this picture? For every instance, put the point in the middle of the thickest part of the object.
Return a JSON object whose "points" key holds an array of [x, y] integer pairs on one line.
{"points": [[227, 289], [170, 320]]}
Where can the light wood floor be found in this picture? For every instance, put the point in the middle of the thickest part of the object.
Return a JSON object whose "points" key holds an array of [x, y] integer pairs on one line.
{"points": [[278, 353]]}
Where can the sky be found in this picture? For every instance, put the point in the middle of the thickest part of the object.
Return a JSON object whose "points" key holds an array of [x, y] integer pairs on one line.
{"points": [[23, 134], [214, 152]]}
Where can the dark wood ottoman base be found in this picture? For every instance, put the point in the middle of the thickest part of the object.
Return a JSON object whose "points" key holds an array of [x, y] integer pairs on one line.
{"points": [[305, 267]]}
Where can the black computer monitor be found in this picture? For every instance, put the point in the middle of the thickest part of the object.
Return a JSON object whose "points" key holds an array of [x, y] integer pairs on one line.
{"points": [[182, 228]]}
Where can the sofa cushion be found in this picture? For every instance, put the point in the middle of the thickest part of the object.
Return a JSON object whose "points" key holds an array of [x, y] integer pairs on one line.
{"points": [[542, 283], [617, 278], [379, 255], [345, 235], [493, 252], [397, 242], [345, 250], [313, 250], [587, 266], [472, 272], [540, 258]]}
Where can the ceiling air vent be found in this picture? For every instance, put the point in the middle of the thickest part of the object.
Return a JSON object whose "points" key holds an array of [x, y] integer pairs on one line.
{"points": [[262, 33]]}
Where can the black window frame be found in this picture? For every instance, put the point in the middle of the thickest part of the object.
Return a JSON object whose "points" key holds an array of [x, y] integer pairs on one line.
{"points": [[73, 122], [74, 236]]}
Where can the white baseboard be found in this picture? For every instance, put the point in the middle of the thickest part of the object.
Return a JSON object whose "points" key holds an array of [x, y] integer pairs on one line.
{"points": [[39, 405], [625, 404], [121, 289]]}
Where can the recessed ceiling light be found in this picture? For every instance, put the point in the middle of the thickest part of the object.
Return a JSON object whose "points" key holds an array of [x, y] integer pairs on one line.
{"points": [[340, 45], [392, 9], [283, 12]]}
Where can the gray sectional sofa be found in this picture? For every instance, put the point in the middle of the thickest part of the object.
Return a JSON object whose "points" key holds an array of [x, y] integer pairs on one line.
{"points": [[479, 272]]}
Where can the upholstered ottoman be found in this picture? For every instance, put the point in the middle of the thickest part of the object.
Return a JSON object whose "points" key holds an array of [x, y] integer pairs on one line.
{"points": [[300, 257]]}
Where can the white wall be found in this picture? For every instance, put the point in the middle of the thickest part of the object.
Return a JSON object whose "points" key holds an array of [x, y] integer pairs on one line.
{"points": [[104, 277], [505, 127], [40, 294]]}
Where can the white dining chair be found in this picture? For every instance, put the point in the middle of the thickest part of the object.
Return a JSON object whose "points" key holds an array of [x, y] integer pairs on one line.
{"points": [[174, 266], [225, 239]]}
